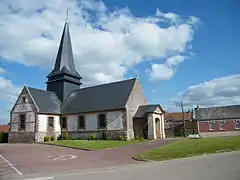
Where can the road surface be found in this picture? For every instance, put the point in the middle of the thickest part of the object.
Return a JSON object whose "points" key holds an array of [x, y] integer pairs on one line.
{"points": [[224, 166]]}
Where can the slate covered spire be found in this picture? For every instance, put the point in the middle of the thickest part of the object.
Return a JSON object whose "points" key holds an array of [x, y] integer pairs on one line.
{"points": [[64, 78], [64, 62]]}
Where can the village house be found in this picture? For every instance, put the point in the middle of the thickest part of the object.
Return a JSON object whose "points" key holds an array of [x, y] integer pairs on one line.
{"points": [[118, 107], [4, 128], [174, 123], [218, 121]]}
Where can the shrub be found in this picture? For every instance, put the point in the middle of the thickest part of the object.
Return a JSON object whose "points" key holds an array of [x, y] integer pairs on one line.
{"points": [[104, 135], [74, 138], [137, 137], [53, 138], [3, 137], [93, 137], [121, 138], [141, 139], [47, 138], [65, 136]]}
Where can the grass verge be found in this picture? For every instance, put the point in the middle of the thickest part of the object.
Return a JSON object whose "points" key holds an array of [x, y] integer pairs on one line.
{"points": [[93, 144], [191, 147]]}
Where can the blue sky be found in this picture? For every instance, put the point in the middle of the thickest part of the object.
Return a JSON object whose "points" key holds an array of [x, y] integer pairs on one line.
{"points": [[205, 49]]}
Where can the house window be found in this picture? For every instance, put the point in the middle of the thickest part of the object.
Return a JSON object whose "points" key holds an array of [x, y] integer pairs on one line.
{"points": [[81, 122], [211, 126], [221, 125], [237, 125], [50, 121], [64, 123], [22, 122], [102, 121], [23, 99]]}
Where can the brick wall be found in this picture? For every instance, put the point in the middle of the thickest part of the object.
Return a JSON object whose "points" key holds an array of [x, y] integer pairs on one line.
{"points": [[229, 128]]}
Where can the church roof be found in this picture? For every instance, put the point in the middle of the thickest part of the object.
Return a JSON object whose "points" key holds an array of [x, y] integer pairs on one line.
{"points": [[64, 61], [98, 98], [144, 109], [46, 101]]}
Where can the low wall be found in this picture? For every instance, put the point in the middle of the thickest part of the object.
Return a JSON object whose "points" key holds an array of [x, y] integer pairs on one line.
{"points": [[222, 133], [21, 137]]}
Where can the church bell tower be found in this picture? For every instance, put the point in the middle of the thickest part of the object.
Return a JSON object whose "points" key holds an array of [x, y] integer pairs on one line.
{"points": [[64, 78]]}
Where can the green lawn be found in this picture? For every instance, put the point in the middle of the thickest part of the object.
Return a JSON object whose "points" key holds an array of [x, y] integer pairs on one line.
{"points": [[94, 144], [191, 147]]}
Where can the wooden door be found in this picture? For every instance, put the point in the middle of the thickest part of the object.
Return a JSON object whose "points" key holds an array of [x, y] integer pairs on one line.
{"points": [[157, 127]]}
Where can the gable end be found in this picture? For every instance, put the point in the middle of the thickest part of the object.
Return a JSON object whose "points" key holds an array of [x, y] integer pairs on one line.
{"points": [[28, 105]]}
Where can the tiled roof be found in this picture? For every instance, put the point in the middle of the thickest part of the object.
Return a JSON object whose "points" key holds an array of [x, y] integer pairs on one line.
{"points": [[215, 113], [4, 128], [177, 116]]}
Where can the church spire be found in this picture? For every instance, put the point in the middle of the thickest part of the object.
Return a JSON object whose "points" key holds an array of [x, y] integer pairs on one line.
{"points": [[64, 62], [66, 16], [64, 74]]}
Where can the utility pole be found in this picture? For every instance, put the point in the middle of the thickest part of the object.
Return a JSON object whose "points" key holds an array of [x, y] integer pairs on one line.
{"points": [[183, 119]]}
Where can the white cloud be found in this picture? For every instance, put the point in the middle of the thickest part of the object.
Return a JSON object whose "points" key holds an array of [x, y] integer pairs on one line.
{"points": [[170, 16], [160, 72], [2, 70], [166, 70], [217, 92], [9, 94], [105, 43], [175, 60]]}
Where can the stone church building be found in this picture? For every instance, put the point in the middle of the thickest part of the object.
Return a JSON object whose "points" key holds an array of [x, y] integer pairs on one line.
{"points": [[119, 107]]}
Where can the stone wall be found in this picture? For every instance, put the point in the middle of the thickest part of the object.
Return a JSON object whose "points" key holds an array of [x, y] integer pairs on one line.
{"points": [[21, 137], [23, 107], [136, 99]]}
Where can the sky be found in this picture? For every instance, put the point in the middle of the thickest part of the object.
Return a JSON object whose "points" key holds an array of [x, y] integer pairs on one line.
{"points": [[182, 51]]}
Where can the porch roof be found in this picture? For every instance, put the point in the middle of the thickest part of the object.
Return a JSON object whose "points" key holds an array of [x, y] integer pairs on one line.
{"points": [[144, 109]]}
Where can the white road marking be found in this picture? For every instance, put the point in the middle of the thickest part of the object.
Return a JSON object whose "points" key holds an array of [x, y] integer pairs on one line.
{"points": [[66, 157], [40, 178], [13, 167]]}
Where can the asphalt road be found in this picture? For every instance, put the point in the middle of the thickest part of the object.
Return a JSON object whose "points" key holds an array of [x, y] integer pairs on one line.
{"points": [[224, 166]]}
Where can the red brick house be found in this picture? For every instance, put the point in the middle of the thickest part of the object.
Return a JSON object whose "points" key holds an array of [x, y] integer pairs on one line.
{"points": [[4, 128], [218, 121]]}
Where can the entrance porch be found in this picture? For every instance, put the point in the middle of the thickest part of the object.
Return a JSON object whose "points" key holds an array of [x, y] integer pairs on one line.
{"points": [[148, 122]]}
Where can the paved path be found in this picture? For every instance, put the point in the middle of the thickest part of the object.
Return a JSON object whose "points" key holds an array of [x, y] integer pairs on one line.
{"points": [[225, 166], [37, 158]]}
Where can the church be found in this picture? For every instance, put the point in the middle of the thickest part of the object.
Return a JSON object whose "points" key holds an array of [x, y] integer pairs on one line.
{"points": [[120, 108]]}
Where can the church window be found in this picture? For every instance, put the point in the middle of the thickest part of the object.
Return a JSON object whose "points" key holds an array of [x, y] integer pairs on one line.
{"points": [[102, 121], [50, 121], [81, 122], [64, 123], [22, 122], [23, 99]]}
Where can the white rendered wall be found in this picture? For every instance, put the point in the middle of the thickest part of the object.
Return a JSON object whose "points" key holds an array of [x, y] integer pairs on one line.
{"points": [[114, 121]]}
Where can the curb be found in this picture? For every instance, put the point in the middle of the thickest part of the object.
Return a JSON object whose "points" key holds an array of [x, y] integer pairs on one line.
{"points": [[141, 160], [84, 149]]}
